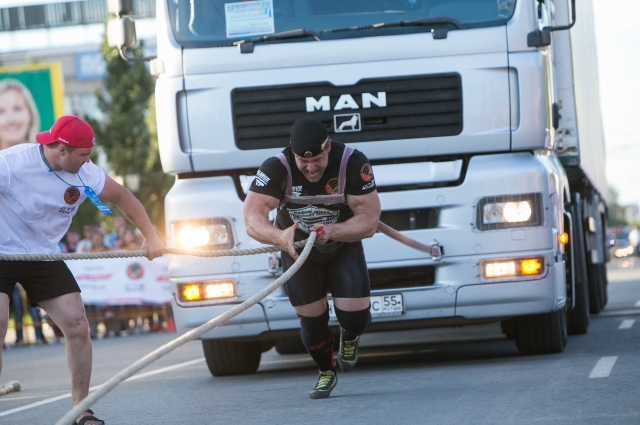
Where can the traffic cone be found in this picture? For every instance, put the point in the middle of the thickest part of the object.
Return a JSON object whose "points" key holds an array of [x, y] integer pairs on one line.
{"points": [[171, 326]]}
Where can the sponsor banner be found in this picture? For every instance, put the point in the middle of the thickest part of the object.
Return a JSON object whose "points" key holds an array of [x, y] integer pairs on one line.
{"points": [[123, 281]]}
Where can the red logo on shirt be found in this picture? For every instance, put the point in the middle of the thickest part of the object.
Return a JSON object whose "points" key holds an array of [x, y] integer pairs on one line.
{"points": [[366, 173], [332, 186], [71, 195]]}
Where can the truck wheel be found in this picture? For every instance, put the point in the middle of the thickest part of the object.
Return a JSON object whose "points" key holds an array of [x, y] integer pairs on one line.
{"points": [[291, 345], [508, 328], [231, 358], [578, 317], [542, 333], [597, 288]]}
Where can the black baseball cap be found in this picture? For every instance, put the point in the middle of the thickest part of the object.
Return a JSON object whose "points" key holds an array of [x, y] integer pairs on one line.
{"points": [[308, 137]]}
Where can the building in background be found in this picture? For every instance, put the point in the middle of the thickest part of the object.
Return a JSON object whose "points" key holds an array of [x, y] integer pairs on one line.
{"points": [[68, 33]]}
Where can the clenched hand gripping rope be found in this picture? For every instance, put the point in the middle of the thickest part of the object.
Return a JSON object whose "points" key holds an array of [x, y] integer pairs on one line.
{"points": [[83, 405]]}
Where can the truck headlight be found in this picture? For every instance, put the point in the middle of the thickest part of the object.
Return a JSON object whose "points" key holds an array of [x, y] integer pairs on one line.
{"points": [[212, 234], [510, 211]]}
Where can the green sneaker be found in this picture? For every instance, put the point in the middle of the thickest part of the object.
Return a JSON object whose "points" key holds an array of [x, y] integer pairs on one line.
{"points": [[348, 354], [327, 381]]}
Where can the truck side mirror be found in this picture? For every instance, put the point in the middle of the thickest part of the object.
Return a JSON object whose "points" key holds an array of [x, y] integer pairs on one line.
{"points": [[541, 38], [121, 30], [120, 7]]}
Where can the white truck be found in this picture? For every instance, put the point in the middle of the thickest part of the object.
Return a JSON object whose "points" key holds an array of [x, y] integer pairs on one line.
{"points": [[482, 122]]}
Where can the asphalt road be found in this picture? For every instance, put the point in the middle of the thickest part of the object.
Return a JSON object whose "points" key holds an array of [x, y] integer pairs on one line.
{"points": [[470, 375]]}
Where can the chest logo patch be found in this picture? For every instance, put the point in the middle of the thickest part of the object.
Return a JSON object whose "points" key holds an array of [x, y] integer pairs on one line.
{"points": [[310, 215], [366, 173], [71, 195], [332, 186]]}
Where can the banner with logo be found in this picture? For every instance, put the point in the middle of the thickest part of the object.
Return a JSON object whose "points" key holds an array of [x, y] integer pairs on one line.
{"points": [[122, 281], [32, 95]]}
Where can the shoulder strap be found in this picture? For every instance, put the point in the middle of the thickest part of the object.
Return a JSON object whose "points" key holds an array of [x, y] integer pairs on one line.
{"points": [[342, 177], [283, 160]]}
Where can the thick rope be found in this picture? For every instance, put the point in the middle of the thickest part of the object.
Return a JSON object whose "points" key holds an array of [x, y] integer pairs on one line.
{"points": [[83, 405], [144, 253]]}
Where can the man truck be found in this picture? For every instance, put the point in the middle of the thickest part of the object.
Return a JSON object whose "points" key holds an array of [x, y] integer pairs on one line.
{"points": [[482, 122]]}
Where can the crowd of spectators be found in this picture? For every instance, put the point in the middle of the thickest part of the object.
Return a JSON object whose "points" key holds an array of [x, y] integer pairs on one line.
{"points": [[117, 320]]}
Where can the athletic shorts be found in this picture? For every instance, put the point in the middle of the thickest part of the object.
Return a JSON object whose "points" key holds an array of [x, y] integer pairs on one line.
{"points": [[42, 280], [343, 273]]}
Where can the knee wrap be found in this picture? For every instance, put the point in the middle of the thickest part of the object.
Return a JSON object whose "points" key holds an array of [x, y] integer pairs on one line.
{"points": [[354, 322], [314, 330], [318, 339]]}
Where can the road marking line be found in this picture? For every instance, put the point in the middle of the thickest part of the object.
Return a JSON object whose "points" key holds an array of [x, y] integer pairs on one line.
{"points": [[627, 323], [133, 378], [603, 368]]}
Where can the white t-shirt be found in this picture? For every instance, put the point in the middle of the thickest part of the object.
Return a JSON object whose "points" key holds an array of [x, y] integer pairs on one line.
{"points": [[36, 207]]}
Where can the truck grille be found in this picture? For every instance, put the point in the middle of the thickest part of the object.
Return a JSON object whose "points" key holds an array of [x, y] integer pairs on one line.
{"points": [[416, 107], [411, 219], [403, 277]]}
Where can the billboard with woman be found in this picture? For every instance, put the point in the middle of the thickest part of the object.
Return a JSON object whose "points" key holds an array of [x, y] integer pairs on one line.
{"points": [[31, 99]]}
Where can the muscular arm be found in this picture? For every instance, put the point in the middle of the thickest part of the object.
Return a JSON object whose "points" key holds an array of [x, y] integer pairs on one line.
{"points": [[133, 210], [256, 219], [363, 224]]}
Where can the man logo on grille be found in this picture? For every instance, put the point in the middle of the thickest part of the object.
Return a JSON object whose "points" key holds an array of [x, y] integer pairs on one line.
{"points": [[71, 195], [346, 123]]}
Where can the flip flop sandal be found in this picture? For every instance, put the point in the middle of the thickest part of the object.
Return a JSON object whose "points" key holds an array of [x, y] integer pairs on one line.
{"points": [[84, 419]]}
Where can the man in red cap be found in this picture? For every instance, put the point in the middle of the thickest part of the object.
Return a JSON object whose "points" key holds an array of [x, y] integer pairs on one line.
{"points": [[41, 187]]}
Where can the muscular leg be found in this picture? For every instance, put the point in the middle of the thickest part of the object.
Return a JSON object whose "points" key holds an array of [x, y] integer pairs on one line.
{"points": [[67, 311], [4, 320], [315, 333]]}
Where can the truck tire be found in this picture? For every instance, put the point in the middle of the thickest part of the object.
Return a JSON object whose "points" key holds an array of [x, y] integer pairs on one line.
{"points": [[542, 333], [226, 358], [508, 328], [291, 345], [578, 316], [597, 288]]}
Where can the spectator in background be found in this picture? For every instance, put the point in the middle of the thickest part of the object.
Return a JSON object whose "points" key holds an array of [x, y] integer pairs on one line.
{"points": [[111, 239], [72, 237], [634, 239], [128, 240], [85, 244], [19, 117], [18, 309]]}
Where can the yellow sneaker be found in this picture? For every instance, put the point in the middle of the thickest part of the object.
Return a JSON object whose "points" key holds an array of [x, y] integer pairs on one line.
{"points": [[327, 381], [348, 354]]}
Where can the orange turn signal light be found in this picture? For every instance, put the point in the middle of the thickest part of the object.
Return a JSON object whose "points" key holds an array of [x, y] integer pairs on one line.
{"points": [[530, 266], [563, 238], [191, 292]]}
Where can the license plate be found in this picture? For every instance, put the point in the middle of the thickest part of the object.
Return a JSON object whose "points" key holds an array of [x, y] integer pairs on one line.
{"points": [[381, 305]]}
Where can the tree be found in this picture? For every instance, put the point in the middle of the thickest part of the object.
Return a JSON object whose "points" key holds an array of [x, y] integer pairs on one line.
{"points": [[128, 134]]}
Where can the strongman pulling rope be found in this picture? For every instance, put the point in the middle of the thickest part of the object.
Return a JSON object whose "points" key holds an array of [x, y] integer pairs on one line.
{"points": [[328, 187]]}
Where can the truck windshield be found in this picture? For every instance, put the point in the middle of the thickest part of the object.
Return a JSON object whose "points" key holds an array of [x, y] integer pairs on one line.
{"points": [[216, 23]]}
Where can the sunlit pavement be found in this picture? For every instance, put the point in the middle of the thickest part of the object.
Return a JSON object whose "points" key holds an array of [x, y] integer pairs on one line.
{"points": [[467, 375]]}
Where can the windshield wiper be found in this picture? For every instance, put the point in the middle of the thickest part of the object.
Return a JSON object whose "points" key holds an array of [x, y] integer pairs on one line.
{"points": [[438, 33], [247, 45]]}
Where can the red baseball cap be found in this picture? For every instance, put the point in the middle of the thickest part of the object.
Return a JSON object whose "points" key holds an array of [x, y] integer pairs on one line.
{"points": [[70, 130]]}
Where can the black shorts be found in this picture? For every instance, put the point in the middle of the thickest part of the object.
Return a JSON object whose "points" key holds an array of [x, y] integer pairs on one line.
{"points": [[42, 280], [343, 273]]}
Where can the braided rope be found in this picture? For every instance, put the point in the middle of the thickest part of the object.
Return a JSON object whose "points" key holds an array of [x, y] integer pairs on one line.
{"points": [[101, 391], [144, 253]]}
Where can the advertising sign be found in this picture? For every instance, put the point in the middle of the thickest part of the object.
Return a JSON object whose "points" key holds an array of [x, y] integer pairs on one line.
{"points": [[31, 99]]}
